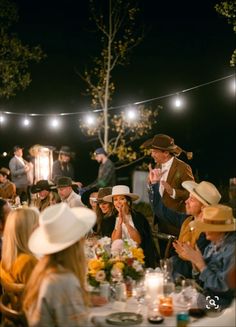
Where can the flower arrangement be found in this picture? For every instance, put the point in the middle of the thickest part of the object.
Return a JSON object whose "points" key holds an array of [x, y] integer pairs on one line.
{"points": [[115, 261]]}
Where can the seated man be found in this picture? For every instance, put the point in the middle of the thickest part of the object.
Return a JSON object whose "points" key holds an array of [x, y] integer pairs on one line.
{"points": [[7, 188], [201, 195], [66, 193]]}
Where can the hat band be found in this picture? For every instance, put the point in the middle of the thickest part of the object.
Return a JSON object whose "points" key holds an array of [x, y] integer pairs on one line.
{"points": [[218, 222], [201, 196]]}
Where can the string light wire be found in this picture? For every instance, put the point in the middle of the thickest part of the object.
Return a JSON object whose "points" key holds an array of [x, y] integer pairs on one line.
{"points": [[120, 106]]}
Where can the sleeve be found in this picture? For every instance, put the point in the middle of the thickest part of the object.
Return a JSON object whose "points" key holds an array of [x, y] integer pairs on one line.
{"points": [[186, 175], [23, 268], [161, 211], [106, 174]]}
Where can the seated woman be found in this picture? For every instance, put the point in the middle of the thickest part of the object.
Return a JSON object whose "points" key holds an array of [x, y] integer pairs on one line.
{"points": [[55, 294], [17, 260], [211, 268], [130, 223], [104, 210]]}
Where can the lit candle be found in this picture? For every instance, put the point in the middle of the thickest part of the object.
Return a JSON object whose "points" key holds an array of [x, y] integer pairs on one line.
{"points": [[154, 284]]}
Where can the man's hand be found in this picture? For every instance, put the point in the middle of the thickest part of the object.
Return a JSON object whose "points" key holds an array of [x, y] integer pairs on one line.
{"points": [[154, 174]]}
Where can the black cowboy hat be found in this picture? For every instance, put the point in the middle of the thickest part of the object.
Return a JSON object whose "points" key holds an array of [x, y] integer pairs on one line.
{"points": [[86, 195], [42, 185]]}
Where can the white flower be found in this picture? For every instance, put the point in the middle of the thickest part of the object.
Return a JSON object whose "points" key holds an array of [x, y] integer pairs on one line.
{"points": [[137, 265]]}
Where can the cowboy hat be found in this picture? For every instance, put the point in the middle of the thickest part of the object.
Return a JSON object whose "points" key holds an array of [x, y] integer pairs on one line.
{"points": [[4, 171], [217, 218], [165, 143], [63, 181], [120, 190], [102, 192], [60, 227], [204, 192], [42, 185], [66, 151], [86, 196]]}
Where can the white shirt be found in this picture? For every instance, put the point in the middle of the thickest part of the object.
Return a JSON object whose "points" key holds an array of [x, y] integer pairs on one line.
{"points": [[125, 233], [20, 159], [165, 167]]}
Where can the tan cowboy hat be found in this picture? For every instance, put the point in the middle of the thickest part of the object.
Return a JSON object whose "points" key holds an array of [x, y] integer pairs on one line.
{"points": [[4, 171], [59, 227], [217, 218], [120, 190], [205, 192]]}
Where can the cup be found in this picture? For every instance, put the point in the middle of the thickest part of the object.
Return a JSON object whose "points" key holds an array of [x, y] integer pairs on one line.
{"points": [[166, 305]]}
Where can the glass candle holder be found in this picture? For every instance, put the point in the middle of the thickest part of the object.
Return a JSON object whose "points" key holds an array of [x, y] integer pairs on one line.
{"points": [[166, 305]]}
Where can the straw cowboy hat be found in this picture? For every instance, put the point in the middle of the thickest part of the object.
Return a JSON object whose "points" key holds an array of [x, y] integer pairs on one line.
{"points": [[165, 143], [102, 192], [205, 192], [120, 190], [42, 185], [217, 218], [60, 227]]}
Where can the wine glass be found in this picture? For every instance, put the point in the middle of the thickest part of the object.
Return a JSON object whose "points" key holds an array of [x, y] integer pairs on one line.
{"points": [[139, 293]]}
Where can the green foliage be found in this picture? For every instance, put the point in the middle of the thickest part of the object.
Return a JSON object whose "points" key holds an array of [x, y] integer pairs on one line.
{"points": [[228, 9], [15, 57]]}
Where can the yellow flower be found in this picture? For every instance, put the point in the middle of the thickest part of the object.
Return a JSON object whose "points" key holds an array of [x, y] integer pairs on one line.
{"points": [[119, 265], [138, 254], [94, 265]]}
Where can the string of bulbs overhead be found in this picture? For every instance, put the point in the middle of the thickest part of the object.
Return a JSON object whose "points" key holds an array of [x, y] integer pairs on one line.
{"points": [[26, 121]]}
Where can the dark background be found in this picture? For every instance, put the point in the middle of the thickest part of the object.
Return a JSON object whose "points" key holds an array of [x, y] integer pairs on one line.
{"points": [[186, 44]]}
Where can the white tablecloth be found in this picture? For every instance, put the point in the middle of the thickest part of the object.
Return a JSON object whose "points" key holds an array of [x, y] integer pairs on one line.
{"points": [[98, 316]]}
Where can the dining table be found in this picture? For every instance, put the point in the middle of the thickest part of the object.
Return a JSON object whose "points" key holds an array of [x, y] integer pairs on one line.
{"points": [[99, 316]]}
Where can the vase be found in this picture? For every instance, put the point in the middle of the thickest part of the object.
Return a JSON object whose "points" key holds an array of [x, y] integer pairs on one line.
{"points": [[129, 287]]}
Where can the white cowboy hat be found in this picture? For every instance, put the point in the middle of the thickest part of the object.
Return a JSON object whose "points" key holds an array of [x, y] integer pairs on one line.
{"points": [[120, 190], [59, 227], [218, 218], [205, 192]]}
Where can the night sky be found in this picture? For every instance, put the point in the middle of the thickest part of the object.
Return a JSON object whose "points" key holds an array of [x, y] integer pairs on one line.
{"points": [[186, 44]]}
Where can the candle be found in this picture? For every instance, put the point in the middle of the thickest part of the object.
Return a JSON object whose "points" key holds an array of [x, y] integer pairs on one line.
{"points": [[154, 284]]}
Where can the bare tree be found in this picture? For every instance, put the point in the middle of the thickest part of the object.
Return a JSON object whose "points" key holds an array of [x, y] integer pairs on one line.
{"points": [[116, 21]]}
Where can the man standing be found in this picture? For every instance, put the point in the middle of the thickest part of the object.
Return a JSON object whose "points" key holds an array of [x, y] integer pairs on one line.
{"points": [[20, 173], [7, 188], [63, 166], [173, 172], [66, 193], [106, 172]]}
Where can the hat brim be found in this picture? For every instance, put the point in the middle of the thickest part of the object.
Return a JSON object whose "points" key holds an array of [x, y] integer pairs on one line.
{"points": [[190, 186], [39, 242], [133, 196], [86, 195], [39, 189], [204, 227]]}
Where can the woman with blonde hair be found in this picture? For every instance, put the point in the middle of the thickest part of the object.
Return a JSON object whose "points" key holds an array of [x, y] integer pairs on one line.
{"points": [[17, 259], [56, 294]]}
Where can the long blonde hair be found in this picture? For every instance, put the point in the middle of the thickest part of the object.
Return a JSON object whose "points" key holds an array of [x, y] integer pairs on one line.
{"points": [[71, 259], [19, 225]]}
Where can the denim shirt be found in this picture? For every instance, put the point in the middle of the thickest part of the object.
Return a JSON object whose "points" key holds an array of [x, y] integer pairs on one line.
{"points": [[218, 260]]}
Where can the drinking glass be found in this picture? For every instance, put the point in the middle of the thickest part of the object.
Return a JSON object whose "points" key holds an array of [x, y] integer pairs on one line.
{"points": [[139, 293]]}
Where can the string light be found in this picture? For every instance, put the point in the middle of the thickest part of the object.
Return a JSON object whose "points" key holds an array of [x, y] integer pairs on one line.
{"points": [[55, 123], [131, 113], [26, 122], [90, 120]]}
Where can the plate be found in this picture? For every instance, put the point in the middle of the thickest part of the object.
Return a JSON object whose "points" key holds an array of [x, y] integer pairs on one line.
{"points": [[124, 318]]}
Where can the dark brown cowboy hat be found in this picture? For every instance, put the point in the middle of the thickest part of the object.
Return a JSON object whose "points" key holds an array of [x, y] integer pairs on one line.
{"points": [[64, 181], [66, 151], [104, 191], [166, 143]]}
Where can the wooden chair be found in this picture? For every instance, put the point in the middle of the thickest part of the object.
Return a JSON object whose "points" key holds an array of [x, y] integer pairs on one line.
{"points": [[11, 304], [162, 236]]}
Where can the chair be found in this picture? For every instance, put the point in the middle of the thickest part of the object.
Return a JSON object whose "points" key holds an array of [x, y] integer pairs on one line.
{"points": [[11, 304], [162, 236]]}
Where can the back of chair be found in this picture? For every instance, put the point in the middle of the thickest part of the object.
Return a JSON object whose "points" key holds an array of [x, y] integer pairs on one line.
{"points": [[11, 303]]}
